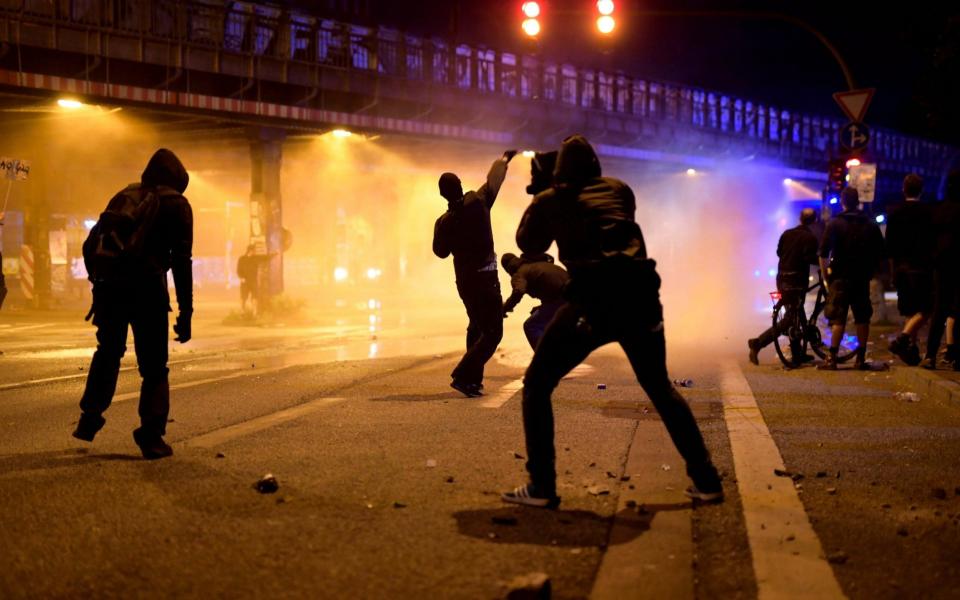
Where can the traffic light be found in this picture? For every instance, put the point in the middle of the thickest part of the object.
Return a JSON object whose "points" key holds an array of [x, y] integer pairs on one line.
{"points": [[531, 22], [836, 175], [605, 21]]}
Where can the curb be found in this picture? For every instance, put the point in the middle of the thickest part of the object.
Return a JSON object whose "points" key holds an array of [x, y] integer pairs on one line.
{"points": [[930, 385]]}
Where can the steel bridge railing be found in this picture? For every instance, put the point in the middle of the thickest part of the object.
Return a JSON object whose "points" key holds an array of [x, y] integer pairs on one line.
{"points": [[262, 30]]}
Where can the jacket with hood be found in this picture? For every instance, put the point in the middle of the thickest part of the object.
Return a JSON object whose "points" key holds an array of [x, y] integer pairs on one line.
{"points": [[168, 244], [589, 216], [465, 231], [536, 276], [853, 243]]}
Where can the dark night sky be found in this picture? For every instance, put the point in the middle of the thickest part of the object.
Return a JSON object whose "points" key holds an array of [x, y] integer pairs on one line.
{"points": [[907, 55]]}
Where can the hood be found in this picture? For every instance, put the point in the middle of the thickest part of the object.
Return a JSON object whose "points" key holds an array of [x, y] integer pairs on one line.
{"points": [[166, 169], [541, 171], [511, 263], [577, 162]]}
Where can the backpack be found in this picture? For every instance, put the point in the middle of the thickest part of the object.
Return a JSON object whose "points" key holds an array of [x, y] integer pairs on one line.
{"points": [[115, 244]]}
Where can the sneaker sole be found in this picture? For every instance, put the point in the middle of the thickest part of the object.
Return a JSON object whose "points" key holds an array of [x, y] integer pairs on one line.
{"points": [[534, 502]]}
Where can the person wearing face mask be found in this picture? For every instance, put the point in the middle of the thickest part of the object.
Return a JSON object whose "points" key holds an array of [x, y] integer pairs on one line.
{"points": [[464, 231]]}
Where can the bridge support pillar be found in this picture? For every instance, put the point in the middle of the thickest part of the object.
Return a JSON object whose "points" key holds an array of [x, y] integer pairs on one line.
{"points": [[266, 214]]}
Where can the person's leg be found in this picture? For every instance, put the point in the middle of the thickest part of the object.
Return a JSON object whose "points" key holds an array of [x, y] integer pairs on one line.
{"points": [[563, 346], [835, 311], [150, 339], [111, 322], [537, 323], [486, 303], [646, 351], [862, 313]]}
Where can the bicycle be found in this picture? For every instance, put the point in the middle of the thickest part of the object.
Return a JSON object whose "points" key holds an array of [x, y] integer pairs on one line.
{"points": [[800, 332]]}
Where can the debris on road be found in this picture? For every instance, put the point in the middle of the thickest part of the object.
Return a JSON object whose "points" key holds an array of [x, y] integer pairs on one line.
{"points": [[431, 463], [532, 586], [221, 455], [631, 503], [790, 538], [939, 493], [821, 474], [504, 520], [837, 558], [449, 479], [902, 531], [832, 491], [598, 490], [517, 455], [665, 467], [624, 478], [601, 386], [611, 475], [791, 475], [267, 484], [907, 396], [593, 464], [684, 383], [398, 504]]}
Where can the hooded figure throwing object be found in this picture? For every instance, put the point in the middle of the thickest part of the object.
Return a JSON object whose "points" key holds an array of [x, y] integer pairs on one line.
{"points": [[464, 231], [146, 230], [613, 296]]}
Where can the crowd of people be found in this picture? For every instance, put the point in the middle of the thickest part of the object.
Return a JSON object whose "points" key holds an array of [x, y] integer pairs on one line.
{"points": [[922, 245]]}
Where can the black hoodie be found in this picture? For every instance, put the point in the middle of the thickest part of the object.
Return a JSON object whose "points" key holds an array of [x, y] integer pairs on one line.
{"points": [[853, 243], [169, 243], [589, 216]]}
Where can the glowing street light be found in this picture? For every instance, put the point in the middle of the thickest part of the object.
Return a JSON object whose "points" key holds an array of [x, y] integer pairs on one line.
{"points": [[787, 181], [853, 162], [341, 133], [528, 153], [340, 274], [691, 172], [70, 103]]}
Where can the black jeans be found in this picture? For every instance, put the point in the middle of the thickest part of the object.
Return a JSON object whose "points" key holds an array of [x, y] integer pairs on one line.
{"points": [[569, 339], [481, 297], [146, 313]]}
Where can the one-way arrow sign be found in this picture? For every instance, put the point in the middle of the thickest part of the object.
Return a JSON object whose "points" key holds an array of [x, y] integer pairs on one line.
{"points": [[855, 102]]}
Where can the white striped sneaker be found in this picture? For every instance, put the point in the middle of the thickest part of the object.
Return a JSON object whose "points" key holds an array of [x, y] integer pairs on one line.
{"points": [[705, 497], [528, 495]]}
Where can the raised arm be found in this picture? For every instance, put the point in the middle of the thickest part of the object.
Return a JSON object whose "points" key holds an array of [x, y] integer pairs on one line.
{"points": [[498, 172]]}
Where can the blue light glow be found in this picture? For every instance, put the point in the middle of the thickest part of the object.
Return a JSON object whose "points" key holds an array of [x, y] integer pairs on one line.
{"points": [[756, 273], [834, 200], [772, 272], [881, 218]]}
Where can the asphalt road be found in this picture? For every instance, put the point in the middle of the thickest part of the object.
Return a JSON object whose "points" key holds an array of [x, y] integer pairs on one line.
{"points": [[390, 481]]}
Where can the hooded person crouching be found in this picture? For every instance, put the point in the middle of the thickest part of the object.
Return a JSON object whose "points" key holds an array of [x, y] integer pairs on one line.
{"points": [[146, 230], [536, 276]]}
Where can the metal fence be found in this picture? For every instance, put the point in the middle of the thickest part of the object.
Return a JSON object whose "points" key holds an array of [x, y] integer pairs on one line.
{"points": [[261, 30]]}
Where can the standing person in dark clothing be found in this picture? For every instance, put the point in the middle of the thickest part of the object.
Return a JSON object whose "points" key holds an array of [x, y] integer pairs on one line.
{"points": [[3, 282], [910, 249], [537, 276], [853, 245], [154, 223], [797, 250], [613, 296], [248, 270], [946, 276], [464, 231]]}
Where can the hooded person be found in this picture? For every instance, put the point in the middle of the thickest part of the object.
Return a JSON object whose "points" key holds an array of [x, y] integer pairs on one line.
{"points": [[146, 230], [612, 296], [464, 231], [535, 275]]}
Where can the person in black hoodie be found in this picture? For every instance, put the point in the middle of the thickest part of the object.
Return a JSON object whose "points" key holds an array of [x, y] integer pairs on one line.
{"points": [[797, 250], [613, 296], [851, 249], [537, 276], [133, 293], [464, 231], [946, 276], [910, 249]]}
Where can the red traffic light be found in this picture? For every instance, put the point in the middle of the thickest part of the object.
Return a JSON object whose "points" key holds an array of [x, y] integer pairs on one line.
{"points": [[531, 9]]}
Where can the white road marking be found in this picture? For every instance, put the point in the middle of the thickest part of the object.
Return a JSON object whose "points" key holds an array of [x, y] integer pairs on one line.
{"points": [[19, 328], [225, 434], [772, 509], [500, 397]]}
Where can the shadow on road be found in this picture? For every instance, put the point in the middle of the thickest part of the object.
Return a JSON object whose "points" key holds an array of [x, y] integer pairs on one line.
{"points": [[54, 459], [518, 525]]}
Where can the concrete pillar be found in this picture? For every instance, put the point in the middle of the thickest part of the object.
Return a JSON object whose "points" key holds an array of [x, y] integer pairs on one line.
{"points": [[266, 227], [36, 224]]}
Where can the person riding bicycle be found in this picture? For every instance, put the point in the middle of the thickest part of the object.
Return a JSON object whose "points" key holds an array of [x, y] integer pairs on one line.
{"points": [[797, 250], [853, 245]]}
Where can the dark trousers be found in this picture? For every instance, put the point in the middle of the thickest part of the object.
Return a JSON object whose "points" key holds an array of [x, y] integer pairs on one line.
{"points": [[946, 297], [793, 302], [114, 312], [538, 320], [571, 336], [480, 293]]}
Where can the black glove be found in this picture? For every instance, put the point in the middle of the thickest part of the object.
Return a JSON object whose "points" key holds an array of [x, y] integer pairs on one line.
{"points": [[509, 154], [182, 327]]}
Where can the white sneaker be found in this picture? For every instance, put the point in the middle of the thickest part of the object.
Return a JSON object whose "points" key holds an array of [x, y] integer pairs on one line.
{"points": [[528, 495]]}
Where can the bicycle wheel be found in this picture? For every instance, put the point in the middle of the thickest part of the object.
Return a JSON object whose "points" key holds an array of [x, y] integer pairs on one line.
{"points": [[819, 334], [792, 327]]}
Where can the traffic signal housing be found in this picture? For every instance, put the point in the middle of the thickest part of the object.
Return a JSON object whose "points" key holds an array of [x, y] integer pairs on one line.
{"points": [[606, 22], [531, 18]]}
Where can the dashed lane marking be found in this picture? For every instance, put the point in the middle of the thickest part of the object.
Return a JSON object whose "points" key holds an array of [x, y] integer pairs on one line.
{"points": [[788, 559], [501, 396], [226, 434], [207, 381], [19, 328]]}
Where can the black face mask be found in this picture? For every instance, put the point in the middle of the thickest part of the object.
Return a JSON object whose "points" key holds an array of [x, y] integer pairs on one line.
{"points": [[451, 188], [541, 171]]}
